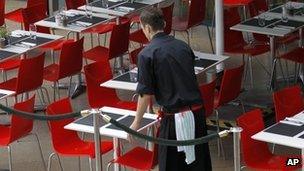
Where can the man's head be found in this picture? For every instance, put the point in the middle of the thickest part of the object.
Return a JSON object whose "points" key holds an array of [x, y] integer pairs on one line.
{"points": [[152, 21]]}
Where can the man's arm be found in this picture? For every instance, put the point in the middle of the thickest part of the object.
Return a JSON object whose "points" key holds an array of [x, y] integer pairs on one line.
{"points": [[142, 104]]}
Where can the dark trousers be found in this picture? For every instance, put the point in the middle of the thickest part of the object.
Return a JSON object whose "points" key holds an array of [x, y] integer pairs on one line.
{"points": [[171, 160]]}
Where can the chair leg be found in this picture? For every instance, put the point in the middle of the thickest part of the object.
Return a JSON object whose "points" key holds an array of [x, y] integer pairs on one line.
{"points": [[70, 86], [41, 99], [10, 164], [272, 80], [210, 38], [188, 37], [287, 71], [40, 150], [92, 42], [109, 165], [242, 105], [220, 147], [90, 164], [281, 67], [50, 161], [54, 91], [59, 161], [79, 164], [47, 94], [273, 148], [57, 87], [4, 76], [250, 71]]}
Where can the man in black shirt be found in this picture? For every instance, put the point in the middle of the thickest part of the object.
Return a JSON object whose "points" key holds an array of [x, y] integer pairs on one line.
{"points": [[166, 71]]}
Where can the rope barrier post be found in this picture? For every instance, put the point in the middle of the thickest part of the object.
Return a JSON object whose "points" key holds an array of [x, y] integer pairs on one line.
{"points": [[98, 158], [236, 147]]}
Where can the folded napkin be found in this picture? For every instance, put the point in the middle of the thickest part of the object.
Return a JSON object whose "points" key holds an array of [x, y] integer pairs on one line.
{"points": [[28, 43], [125, 9], [185, 130], [86, 24]]}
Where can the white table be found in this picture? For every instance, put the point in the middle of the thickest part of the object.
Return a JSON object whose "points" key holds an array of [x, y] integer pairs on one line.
{"points": [[114, 12], [294, 142], [123, 85], [271, 32], [116, 134], [20, 50]]}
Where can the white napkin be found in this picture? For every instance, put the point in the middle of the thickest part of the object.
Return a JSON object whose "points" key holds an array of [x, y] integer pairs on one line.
{"points": [[185, 130], [125, 9], [86, 24], [28, 43]]}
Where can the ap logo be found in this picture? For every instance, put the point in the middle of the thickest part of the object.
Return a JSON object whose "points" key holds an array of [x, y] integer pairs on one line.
{"points": [[293, 161]]}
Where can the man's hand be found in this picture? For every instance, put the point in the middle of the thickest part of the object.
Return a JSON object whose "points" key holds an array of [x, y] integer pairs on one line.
{"points": [[134, 126]]}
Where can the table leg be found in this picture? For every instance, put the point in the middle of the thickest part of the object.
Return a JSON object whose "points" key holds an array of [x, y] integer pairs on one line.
{"points": [[116, 154], [302, 158], [273, 56]]}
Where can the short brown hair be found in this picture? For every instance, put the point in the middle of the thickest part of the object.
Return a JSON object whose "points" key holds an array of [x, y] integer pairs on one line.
{"points": [[153, 17]]}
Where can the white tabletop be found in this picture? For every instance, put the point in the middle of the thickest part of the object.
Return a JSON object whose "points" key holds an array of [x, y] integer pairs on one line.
{"points": [[122, 85], [72, 27], [111, 132], [119, 13], [279, 32]]}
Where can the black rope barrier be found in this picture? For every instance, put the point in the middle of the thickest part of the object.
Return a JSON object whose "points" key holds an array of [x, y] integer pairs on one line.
{"points": [[166, 142], [39, 117], [108, 119]]}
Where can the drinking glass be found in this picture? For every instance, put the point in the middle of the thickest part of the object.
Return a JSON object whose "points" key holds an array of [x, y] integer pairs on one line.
{"points": [[284, 14], [33, 31], [105, 3], [261, 18], [133, 74], [88, 10]]}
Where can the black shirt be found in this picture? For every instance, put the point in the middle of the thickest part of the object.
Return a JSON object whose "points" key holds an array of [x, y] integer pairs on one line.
{"points": [[166, 69]]}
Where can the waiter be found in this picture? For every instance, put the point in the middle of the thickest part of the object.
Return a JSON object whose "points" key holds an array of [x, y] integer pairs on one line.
{"points": [[166, 71]]}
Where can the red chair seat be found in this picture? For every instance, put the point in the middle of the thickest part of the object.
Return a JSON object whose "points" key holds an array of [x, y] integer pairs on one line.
{"points": [[82, 148], [50, 73], [134, 159], [295, 55], [179, 24], [9, 84], [252, 50], [139, 37], [135, 19], [97, 53], [100, 29], [234, 3], [9, 64], [15, 16]]}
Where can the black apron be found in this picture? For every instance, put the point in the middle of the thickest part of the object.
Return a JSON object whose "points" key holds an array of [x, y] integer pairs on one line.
{"points": [[171, 160]]}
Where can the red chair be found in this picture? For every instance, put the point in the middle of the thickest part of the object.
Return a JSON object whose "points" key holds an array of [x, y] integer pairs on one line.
{"points": [[196, 16], [207, 92], [19, 128], [74, 4], [16, 15], [134, 54], [95, 74], [70, 63], [288, 102], [138, 158], [66, 142], [118, 46], [138, 36], [252, 123], [234, 42], [230, 89], [30, 69], [2, 13]]}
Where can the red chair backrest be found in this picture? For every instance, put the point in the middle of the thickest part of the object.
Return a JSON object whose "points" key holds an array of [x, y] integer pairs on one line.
{"points": [[134, 55], [119, 41], [2, 12], [207, 93], [231, 84], [288, 102], [70, 62], [33, 14], [232, 39], [95, 74], [168, 12], [59, 135], [30, 74], [21, 126], [197, 10], [44, 3], [74, 4], [252, 123]]}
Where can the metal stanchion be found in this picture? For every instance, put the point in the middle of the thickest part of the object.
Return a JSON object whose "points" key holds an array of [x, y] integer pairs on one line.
{"points": [[236, 147], [98, 158]]}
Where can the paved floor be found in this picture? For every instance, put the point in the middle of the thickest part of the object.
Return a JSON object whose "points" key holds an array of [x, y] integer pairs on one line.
{"points": [[25, 152]]}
